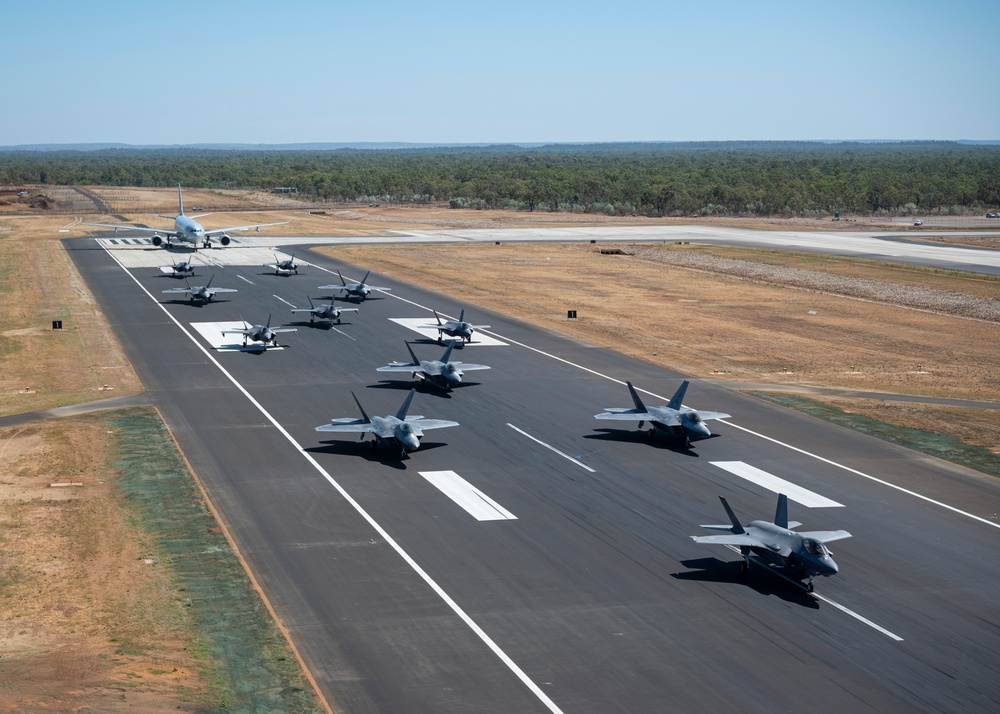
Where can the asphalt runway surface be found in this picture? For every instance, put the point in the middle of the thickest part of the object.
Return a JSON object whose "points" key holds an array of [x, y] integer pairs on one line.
{"points": [[583, 592]]}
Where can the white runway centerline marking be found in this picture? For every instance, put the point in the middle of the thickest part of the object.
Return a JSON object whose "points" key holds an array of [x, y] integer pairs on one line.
{"points": [[282, 300], [244, 279], [477, 503], [551, 448], [777, 485]]}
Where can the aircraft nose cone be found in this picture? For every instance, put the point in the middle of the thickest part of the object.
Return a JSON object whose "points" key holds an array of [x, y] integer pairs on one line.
{"points": [[829, 567], [411, 442]]}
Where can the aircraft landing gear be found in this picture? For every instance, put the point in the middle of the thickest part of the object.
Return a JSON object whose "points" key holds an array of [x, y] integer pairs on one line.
{"points": [[745, 568]]}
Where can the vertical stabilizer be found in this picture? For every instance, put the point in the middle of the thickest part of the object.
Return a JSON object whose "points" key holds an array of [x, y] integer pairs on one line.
{"points": [[268, 325], [461, 315], [180, 201], [737, 528], [416, 362], [447, 353], [635, 398], [342, 281], [781, 513], [437, 317], [678, 399], [365, 279], [209, 283], [401, 414], [367, 420]]}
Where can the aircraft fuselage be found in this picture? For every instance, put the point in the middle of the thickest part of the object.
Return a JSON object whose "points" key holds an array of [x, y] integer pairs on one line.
{"points": [[789, 549]]}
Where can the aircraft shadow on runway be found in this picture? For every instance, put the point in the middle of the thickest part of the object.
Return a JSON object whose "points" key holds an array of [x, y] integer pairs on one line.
{"points": [[196, 303], [324, 325], [661, 441], [713, 570], [387, 456], [408, 384]]}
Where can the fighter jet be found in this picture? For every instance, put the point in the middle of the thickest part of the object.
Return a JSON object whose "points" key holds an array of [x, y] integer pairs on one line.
{"points": [[260, 333], [802, 555], [205, 293], [186, 228], [283, 266], [181, 269], [441, 373], [674, 418], [455, 328], [403, 431], [329, 312], [361, 290]]}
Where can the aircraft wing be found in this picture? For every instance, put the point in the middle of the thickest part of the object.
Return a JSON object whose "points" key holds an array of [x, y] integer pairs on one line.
{"points": [[622, 414], [425, 424], [480, 327], [333, 287], [347, 425], [214, 231], [123, 227], [178, 291], [470, 367], [713, 415], [304, 309], [400, 367], [222, 290], [245, 331], [741, 539], [825, 536], [168, 269], [284, 329]]}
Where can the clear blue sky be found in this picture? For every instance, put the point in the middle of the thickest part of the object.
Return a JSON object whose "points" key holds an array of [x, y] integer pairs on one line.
{"points": [[296, 71]]}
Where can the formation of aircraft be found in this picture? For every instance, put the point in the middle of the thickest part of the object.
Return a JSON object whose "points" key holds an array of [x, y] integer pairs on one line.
{"points": [[328, 312], [803, 555], [360, 290], [205, 293], [399, 429], [283, 266], [260, 333], [441, 373], [674, 418], [187, 229], [181, 269], [455, 328]]}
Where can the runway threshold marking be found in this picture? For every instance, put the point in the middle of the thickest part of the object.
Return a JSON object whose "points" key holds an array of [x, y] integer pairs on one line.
{"points": [[552, 448], [594, 372], [431, 583], [777, 485], [478, 504]]}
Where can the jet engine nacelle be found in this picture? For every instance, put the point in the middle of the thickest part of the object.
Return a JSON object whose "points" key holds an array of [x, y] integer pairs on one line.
{"points": [[157, 240], [224, 239]]}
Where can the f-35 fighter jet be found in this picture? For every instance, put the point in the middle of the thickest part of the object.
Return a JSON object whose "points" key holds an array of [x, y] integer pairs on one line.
{"points": [[360, 290], [260, 333], [329, 312], [455, 328], [205, 293]]}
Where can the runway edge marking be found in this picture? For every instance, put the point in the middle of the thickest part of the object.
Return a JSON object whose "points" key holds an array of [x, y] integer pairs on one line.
{"points": [[455, 607]]}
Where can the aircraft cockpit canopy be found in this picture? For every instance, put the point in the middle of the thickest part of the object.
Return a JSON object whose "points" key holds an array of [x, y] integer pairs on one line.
{"points": [[815, 547]]}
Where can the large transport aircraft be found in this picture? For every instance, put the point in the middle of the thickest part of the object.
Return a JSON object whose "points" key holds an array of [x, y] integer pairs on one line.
{"points": [[186, 228]]}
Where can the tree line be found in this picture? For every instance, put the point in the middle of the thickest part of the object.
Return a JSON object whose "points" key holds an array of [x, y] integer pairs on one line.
{"points": [[655, 179]]}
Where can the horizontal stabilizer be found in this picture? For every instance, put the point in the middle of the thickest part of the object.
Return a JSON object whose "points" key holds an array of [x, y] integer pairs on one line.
{"points": [[740, 539]]}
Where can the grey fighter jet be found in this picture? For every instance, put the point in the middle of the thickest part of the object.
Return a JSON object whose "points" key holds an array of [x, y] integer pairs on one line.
{"points": [[400, 429], [205, 293], [181, 269], [455, 328], [360, 290], [674, 418], [283, 266], [260, 333], [441, 373], [802, 555], [329, 312]]}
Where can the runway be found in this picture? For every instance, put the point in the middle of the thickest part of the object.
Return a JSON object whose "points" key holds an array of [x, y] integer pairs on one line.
{"points": [[588, 595]]}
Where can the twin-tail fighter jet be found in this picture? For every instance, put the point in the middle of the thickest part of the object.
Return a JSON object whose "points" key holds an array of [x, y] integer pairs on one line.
{"points": [[442, 373], [182, 269], [455, 328], [187, 229], [674, 418], [329, 312], [399, 430], [205, 293], [283, 266], [803, 555], [360, 290], [260, 333]]}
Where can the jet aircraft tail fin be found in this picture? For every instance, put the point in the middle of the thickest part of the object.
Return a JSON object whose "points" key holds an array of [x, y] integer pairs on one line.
{"points": [[461, 315], [781, 513], [209, 283], [401, 414], [180, 201], [344, 282], [737, 528], [437, 317], [268, 324], [678, 398], [447, 353], [363, 414], [365, 279], [635, 398], [416, 362]]}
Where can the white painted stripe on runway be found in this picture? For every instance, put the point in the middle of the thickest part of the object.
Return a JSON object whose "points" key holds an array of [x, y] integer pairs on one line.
{"points": [[383, 533], [282, 300], [778, 485], [343, 333], [245, 280], [477, 503], [551, 448]]}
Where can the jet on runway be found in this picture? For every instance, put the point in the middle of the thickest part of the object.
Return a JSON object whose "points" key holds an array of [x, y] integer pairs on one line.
{"points": [[186, 228], [329, 312], [181, 269], [400, 430], [441, 373], [802, 555], [205, 293], [674, 418], [360, 290], [260, 333], [283, 266], [455, 328]]}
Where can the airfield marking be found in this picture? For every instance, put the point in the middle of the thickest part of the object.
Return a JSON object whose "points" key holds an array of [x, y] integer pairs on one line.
{"points": [[777, 485], [343, 333], [245, 280], [431, 583], [477, 503], [283, 300], [551, 448]]}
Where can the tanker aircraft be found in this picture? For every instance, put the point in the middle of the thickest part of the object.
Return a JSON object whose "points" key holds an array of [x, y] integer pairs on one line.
{"points": [[205, 293], [674, 418], [441, 373], [260, 333], [455, 328], [329, 312], [802, 555], [360, 290], [399, 430], [186, 228]]}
